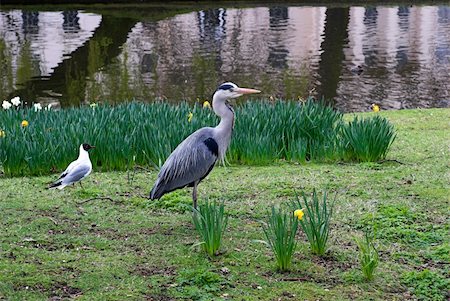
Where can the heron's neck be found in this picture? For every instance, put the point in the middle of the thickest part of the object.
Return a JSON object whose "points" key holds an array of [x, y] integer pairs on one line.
{"points": [[225, 127], [226, 115]]}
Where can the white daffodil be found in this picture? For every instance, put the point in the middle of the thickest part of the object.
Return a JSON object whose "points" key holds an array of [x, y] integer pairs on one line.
{"points": [[49, 106], [37, 107], [6, 105], [16, 101]]}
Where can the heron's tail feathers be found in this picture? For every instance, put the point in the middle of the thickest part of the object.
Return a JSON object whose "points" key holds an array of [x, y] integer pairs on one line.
{"points": [[157, 191]]}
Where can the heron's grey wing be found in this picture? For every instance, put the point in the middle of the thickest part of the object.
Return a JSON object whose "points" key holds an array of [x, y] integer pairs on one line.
{"points": [[77, 173], [190, 162]]}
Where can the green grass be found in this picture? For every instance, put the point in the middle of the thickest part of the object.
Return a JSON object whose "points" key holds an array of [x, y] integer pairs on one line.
{"points": [[144, 134], [134, 249]]}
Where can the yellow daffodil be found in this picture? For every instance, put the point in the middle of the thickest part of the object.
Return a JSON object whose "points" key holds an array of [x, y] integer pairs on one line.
{"points": [[2, 134], [299, 213], [206, 104], [189, 117], [375, 108], [93, 105], [24, 123]]}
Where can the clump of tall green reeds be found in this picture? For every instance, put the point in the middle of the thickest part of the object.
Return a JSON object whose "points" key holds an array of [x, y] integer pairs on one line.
{"points": [[280, 231], [368, 139], [210, 222], [368, 255], [285, 130], [316, 220], [145, 134]]}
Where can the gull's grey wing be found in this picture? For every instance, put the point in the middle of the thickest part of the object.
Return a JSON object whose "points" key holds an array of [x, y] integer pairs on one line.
{"points": [[190, 162], [77, 174], [68, 169]]}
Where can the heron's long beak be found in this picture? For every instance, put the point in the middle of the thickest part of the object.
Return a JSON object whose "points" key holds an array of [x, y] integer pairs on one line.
{"points": [[246, 91]]}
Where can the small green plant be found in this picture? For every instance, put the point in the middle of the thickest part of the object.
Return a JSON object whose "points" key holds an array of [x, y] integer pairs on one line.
{"points": [[427, 285], [210, 221], [316, 223], [198, 284], [368, 255], [369, 139], [280, 231]]}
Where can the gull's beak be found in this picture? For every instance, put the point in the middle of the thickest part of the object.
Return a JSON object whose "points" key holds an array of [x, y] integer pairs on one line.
{"points": [[246, 91], [92, 146]]}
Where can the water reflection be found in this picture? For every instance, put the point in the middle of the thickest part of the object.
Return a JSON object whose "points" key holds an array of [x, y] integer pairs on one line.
{"points": [[398, 57]]}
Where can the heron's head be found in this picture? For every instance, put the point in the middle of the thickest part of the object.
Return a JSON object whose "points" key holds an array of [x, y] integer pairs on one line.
{"points": [[230, 90], [87, 146]]}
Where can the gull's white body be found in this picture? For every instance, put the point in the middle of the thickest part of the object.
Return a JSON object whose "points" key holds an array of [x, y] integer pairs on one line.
{"points": [[75, 172]]}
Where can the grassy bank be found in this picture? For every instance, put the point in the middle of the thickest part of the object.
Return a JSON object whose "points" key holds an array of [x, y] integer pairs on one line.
{"points": [[53, 244], [39, 142]]}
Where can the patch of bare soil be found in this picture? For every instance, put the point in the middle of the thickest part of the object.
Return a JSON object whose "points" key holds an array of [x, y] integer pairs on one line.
{"points": [[62, 291], [329, 262], [158, 298], [145, 270]]}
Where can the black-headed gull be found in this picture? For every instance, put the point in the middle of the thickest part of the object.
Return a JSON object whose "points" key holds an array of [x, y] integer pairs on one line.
{"points": [[77, 170]]}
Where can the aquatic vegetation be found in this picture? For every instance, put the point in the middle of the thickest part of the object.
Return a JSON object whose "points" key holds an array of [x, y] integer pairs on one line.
{"points": [[145, 134], [280, 231], [210, 222], [316, 223]]}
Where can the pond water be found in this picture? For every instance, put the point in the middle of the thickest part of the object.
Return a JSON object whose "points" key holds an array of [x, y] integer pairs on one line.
{"points": [[395, 56]]}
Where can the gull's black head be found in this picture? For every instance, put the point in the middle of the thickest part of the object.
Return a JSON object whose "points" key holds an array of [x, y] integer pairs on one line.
{"points": [[87, 146]]}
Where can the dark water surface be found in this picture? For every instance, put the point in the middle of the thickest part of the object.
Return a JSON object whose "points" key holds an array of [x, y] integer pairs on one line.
{"points": [[396, 56]]}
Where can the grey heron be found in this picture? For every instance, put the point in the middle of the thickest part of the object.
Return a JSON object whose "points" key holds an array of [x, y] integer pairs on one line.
{"points": [[77, 170], [194, 158]]}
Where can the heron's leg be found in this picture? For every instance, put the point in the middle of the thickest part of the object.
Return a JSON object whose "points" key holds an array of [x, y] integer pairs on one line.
{"points": [[194, 195], [81, 185]]}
